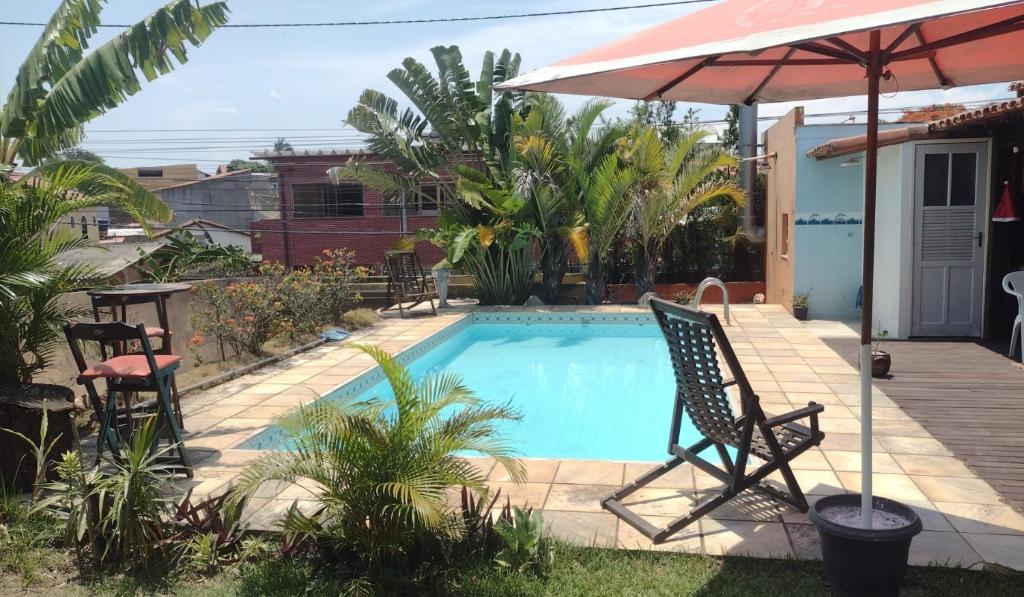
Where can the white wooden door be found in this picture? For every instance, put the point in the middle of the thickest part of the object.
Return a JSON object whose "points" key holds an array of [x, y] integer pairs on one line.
{"points": [[949, 197]]}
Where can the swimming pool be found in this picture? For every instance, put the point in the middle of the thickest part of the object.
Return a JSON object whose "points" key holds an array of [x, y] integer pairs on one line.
{"points": [[588, 385]]}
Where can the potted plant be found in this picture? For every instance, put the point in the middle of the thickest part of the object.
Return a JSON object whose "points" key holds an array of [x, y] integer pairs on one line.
{"points": [[881, 361], [442, 272], [864, 561], [801, 302]]}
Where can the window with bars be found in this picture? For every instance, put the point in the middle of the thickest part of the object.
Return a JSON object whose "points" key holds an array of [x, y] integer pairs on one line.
{"points": [[428, 201], [328, 200]]}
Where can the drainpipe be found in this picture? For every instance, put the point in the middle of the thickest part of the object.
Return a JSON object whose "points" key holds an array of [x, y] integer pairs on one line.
{"points": [[748, 169]]}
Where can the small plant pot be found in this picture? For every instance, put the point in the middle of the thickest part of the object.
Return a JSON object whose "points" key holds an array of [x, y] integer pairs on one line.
{"points": [[881, 361], [861, 561], [800, 313]]}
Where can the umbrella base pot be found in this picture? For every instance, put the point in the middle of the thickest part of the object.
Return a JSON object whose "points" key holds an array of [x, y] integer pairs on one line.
{"points": [[861, 561]]}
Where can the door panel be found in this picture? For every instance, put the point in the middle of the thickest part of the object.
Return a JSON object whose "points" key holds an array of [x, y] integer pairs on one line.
{"points": [[949, 208]]}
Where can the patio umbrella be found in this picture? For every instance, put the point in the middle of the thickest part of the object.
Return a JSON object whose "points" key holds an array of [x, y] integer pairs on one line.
{"points": [[744, 51]]}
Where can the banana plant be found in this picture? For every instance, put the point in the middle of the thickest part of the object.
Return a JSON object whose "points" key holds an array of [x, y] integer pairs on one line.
{"points": [[59, 87], [671, 181]]}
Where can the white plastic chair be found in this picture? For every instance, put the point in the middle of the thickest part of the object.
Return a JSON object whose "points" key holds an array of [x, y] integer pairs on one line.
{"points": [[1013, 283]]}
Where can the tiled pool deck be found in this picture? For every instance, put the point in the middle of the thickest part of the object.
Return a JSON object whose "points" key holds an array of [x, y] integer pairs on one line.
{"points": [[965, 520]]}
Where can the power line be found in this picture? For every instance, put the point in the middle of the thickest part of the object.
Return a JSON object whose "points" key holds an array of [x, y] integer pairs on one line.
{"points": [[419, 21]]}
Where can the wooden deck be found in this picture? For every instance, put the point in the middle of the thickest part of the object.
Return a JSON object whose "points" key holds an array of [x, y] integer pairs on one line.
{"points": [[968, 397]]}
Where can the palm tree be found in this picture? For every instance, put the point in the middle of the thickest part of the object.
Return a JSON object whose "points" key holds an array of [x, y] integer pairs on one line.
{"points": [[383, 467], [35, 269], [672, 180], [282, 145], [59, 87]]}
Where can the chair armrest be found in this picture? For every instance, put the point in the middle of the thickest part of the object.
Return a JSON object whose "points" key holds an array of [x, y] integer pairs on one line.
{"points": [[811, 410]]}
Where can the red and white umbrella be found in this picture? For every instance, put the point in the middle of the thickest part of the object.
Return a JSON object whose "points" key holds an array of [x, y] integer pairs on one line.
{"points": [[744, 51]]}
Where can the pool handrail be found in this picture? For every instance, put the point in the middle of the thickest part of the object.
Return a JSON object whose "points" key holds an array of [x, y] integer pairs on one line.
{"points": [[712, 281]]}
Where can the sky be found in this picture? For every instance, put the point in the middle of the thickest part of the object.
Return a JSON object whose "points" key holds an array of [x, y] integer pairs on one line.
{"points": [[245, 87]]}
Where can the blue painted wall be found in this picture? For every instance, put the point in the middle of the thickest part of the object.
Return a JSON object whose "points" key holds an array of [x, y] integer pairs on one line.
{"points": [[829, 211]]}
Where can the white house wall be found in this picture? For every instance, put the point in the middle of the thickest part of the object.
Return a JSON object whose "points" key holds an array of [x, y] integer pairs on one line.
{"points": [[894, 238]]}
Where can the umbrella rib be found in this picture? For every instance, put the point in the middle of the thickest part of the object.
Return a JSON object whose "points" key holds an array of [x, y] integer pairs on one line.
{"points": [[914, 29], [998, 28], [838, 54], [767, 79], [943, 81], [686, 75], [841, 43]]}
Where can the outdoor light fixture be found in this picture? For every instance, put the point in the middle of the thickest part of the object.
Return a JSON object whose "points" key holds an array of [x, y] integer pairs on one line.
{"points": [[851, 162]]}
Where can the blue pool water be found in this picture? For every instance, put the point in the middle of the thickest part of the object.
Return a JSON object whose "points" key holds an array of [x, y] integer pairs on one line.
{"points": [[600, 391]]}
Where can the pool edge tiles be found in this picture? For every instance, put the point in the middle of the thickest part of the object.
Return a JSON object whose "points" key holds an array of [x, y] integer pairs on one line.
{"points": [[270, 438]]}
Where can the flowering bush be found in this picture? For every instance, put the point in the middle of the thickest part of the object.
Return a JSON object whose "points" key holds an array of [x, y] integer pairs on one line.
{"points": [[336, 274], [244, 315]]}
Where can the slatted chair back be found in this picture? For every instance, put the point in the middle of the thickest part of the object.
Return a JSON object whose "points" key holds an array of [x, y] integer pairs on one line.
{"points": [[405, 273], [115, 334], [700, 385]]}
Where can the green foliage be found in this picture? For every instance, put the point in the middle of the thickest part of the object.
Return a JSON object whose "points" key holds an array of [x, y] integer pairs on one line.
{"points": [[282, 145], [34, 269], [337, 274], [359, 318], [524, 545], [672, 180], [243, 315], [383, 468], [59, 87], [78, 154], [239, 164], [40, 450], [185, 255], [801, 300]]}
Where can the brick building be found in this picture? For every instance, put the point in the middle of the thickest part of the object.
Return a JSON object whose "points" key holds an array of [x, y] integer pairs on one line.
{"points": [[316, 215]]}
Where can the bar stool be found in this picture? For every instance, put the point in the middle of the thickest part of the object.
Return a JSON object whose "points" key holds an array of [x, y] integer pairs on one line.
{"points": [[127, 373], [120, 302]]}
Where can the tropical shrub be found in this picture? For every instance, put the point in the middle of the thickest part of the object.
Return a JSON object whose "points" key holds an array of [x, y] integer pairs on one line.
{"points": [[299, 294], [384, 468], [243, 315], [524, 544], [185, 255], [338, 275]]}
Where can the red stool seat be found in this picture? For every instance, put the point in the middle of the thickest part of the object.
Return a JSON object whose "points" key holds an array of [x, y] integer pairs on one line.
{"points": [[154, 332], [132, 366]]}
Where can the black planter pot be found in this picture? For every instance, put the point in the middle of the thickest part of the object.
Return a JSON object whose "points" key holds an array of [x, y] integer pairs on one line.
{"points": [[881, 362], [800, 313], [862, 561], [21, 410]]}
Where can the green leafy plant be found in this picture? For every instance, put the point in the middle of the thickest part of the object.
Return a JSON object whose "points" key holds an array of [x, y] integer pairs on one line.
{"points": [[243, 315], [40, 451], [184, 254], [338, 274], [879, 336], [383, 467], [684, 297], [59, 87], [524, 545], [801, 301]]}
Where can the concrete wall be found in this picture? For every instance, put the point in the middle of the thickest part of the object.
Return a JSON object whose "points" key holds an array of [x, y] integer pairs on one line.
{"points": [[93, 217], [63, 370], [894, 249], [233, 200]]}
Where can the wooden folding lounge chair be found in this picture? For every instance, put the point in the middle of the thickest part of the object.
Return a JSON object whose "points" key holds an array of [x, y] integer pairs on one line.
{"points": [[407, 283], [701, 394]]}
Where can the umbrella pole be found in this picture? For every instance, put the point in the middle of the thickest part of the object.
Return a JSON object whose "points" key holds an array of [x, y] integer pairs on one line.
{"points": [[874, 73]]}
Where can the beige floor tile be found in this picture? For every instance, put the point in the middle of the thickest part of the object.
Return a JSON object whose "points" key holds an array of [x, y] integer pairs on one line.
{"points": [[896, 486], [848, 460], [801, 399], [578, 498], [483, 465], [938, 548], [267, 388], [537, 471], [793, 376], [831, 425], [803, 386], [957, 489], [660, 501], [811, 482], [984, 518], [931, 518], [263, 412], [749, 505], [913, 445], [908, 428], [590, 472], [686, 540], [242, 399], [811, 460], [1005, 550], [939, 466], [740, 537], [680, 477], [221, 412], [525, 495], [598, 529]]}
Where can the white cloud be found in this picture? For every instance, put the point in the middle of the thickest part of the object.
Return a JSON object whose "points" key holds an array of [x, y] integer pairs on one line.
{"points": [[274, 94]]}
